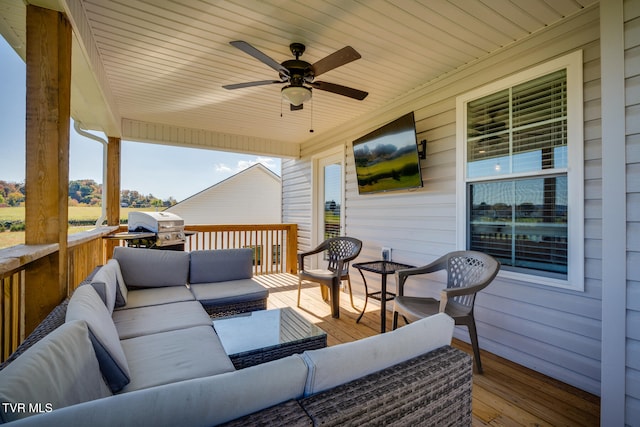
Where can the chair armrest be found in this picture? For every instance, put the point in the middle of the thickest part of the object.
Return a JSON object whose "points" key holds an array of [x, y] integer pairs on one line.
{"points": [[302, 255], [448, 293], [463, 290], [402, 275]]}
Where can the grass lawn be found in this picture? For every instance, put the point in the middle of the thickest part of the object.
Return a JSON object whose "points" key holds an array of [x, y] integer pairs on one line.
{"points": [[12, 238]]}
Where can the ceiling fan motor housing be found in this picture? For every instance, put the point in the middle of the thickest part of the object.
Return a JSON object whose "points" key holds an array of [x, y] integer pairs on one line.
{"points": [[299, 71]]}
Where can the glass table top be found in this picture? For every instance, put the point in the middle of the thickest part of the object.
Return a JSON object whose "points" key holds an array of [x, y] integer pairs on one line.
{"points": [[262, 329]]}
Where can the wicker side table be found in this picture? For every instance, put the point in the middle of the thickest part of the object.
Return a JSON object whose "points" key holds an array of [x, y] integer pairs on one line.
{"points": [[261, 336]]}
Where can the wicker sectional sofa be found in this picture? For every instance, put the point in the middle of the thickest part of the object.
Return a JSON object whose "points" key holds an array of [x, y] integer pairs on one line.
{"points": [[114, 355]]}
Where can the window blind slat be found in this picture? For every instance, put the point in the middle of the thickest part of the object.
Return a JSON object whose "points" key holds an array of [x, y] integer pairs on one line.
{"points": [[541, 99]]}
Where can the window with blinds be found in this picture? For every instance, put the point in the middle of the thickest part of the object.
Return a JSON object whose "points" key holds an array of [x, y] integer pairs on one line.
{"points": [[519, 130], [516, 170]]}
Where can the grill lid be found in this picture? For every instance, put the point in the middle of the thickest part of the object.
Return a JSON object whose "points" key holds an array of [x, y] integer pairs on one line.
{"points": [[156, 222]]}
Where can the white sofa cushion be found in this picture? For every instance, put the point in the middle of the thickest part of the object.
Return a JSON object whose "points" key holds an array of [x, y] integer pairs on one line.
{"points": [[234, 291], [155, 296], [198, 402], [85, 304], [152, 268], [173, 356], [59, 370], [136, 322], [339, 364], [220, 265]]}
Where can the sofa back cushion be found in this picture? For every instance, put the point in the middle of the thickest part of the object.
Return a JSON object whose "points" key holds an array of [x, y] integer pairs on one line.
{"points": [[205, 401], [86, 305], [151, 268], [106, 280], [122, 291], [220, 265], [339, 364], [59, 370]]}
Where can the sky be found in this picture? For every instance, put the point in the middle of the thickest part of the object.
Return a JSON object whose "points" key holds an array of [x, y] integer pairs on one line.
{"points": [[160, 170]]}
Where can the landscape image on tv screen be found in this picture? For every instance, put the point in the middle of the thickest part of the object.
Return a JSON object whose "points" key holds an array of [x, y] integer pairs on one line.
{"points": [[387, 158]]}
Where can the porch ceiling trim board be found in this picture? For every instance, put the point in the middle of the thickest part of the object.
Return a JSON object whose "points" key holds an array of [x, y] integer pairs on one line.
{"points": [[12, 26], [140, 131], [92, 101]]}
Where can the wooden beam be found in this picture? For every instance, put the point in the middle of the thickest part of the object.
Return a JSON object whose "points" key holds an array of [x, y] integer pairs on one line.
{"points": [[113, 181], [112, 189], [47, 157]]}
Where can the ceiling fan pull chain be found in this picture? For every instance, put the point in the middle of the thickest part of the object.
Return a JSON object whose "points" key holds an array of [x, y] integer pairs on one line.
{"points": [[311, 127]]}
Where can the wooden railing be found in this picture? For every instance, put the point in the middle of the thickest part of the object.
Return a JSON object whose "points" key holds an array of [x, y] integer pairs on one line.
{"points": [[84, 253], [275, 250], [12, 311], [274, 245]]}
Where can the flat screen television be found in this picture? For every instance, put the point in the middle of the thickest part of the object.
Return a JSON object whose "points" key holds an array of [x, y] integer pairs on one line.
{"points": [[387, 159]]}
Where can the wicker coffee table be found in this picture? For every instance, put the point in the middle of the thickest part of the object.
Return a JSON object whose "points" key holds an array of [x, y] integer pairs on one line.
{"points": [[264, 335]]}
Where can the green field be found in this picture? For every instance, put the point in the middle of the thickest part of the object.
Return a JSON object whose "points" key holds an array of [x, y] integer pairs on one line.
{"points": [[8, 239], [75, 213], [389, 175]]}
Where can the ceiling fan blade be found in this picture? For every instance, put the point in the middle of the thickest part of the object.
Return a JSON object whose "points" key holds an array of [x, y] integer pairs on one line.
{"points": [[341, 90], [250, 84], [250, 50], [335, 60]]}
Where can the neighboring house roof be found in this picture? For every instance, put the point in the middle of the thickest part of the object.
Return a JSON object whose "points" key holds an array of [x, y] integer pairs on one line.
{"points": [[252, 196]]}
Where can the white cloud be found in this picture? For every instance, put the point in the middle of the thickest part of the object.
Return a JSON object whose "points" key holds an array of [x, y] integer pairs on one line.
{"points": [[243, 164], [222, 168]]}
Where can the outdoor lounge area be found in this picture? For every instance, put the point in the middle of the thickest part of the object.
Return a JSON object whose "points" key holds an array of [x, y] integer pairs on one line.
{"points": [[419, 128], [506, 393]]}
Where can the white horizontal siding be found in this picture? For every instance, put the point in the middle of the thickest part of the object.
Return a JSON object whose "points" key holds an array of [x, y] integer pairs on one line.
{"points": [[551, 330], [252, 196], [296, 198], [632, 95], [135, 130]]}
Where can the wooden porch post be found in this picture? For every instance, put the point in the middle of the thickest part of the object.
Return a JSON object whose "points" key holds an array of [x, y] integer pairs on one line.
{"points": [[48, 102], [112, 188], [292, 251]]}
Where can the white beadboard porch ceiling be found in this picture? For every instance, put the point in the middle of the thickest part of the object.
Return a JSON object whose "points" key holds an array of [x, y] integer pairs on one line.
{"points": [[165, 61]]}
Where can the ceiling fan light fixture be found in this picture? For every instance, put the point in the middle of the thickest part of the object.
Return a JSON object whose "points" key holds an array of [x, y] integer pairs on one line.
{"points": [[296, 95]]}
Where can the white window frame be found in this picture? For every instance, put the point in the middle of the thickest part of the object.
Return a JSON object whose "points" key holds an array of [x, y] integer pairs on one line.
{"points": [[318, 160], [575, 167]]}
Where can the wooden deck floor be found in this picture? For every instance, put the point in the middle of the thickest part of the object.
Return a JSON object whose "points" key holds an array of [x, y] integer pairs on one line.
{"points": [[506, 394]]}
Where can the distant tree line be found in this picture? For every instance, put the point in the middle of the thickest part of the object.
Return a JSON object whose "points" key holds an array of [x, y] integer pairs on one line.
{"points": [[83, 192], [11, 193]]}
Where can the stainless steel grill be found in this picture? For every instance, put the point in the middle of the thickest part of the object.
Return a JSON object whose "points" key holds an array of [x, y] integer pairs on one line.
{"points": [[168, 228]]}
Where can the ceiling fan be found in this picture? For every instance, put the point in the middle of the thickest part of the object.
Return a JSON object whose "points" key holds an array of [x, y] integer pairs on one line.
{"points": [[300, 74]]}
